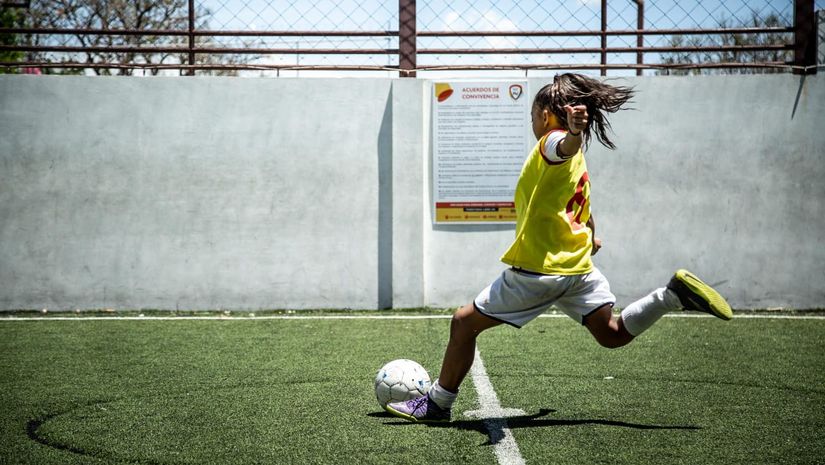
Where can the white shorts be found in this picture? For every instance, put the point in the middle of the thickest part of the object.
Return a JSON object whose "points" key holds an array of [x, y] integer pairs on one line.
{"points": [[517, 297]]}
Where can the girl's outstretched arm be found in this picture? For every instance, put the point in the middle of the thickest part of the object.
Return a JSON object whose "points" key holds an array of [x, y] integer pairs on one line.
{"points": [[576, 122]]}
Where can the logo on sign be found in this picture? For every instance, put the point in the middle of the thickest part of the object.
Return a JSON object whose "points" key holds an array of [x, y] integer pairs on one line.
{"points": [[443, 91], [516, 91]]}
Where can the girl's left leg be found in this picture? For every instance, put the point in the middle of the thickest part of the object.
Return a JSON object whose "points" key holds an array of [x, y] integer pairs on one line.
{"points": [[637, 317], [610, 332]]}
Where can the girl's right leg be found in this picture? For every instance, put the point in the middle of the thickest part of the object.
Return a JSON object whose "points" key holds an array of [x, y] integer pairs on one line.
{"points": [[514, 298], [435, 407], [466, 325]]}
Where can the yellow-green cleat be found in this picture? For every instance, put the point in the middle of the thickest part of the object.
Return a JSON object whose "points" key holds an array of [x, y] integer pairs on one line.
{"points": [[696, 295]]}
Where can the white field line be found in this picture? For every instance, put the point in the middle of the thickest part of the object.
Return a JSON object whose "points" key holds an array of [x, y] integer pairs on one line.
{"points": [[749, 317], [240, 316], [244, 316], [504, 444]]}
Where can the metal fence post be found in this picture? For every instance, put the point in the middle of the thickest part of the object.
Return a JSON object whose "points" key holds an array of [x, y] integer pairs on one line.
{"points": [[820, 37], [406, 38], [191, 71], [640, 26], [804, 23], [604, 38]]}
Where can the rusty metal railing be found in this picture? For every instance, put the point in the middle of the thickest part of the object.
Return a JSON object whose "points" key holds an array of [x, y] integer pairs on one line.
{"points": [[803, 49]]}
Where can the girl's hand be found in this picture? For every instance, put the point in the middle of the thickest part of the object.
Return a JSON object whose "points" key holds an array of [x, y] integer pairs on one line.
{"points": [[597, 244], [576, 118]]}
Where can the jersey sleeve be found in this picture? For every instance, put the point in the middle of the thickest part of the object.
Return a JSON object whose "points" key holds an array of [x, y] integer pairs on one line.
{"points": [[550, 145]]}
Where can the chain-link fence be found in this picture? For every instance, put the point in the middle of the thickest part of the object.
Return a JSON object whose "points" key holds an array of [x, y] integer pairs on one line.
{"points": [[408, 37], [584, 43]]}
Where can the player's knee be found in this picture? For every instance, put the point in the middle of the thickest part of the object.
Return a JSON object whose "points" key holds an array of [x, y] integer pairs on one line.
{"points": [[458, 324], [462, 325]]}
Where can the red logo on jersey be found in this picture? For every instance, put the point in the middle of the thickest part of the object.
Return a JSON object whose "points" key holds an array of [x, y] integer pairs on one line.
{"points": [[576, 204]]}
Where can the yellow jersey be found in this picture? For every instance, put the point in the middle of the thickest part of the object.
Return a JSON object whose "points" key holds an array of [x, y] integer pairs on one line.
{"points": [[552, 208]]}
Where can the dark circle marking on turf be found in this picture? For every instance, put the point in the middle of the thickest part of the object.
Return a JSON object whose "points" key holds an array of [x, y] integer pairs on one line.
{"points": [[33, 427]]}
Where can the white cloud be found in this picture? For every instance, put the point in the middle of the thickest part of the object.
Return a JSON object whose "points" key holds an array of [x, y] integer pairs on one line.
{"points": [[451, 20], [501, 24]]}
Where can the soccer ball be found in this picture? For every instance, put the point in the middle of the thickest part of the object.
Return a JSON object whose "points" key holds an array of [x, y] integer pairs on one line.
{"points": [[400, 380]]}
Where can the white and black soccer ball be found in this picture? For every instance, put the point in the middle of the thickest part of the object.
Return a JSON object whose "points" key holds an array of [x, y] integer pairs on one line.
{"points": [[401, 380]]}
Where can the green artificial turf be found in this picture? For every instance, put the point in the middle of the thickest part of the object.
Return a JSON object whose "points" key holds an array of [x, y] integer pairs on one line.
{"points": [[238, 391]]}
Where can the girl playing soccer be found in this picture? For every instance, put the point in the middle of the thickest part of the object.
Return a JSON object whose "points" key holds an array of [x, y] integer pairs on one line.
{"points": [[550, 258]]}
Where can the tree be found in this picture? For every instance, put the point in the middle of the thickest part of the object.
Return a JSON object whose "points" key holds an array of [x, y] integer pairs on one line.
{"points": [[682, 58], [731, 39], [9, 18], [117, 15], [766, 56]]}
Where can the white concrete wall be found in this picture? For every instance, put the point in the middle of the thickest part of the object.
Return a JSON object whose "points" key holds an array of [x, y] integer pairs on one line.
{"points": [[190, 193], [314, 193]]}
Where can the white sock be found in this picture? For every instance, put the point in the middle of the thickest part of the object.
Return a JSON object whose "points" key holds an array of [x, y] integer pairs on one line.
{"points": [[441, 396], [641, 314]]}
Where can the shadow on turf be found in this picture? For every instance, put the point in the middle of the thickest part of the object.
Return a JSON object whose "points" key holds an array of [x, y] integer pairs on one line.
{"points": [[529, 421]]}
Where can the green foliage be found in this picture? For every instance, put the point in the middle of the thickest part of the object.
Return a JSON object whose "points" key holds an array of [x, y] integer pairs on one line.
{"points": [[9, 18], [118, 15]]}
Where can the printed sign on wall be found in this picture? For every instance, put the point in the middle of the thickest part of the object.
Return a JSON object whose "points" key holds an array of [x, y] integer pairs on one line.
{"points": [[480, 140]]}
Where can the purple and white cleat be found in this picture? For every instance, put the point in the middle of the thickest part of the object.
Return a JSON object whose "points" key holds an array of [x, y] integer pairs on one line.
{"points": [[419, 410]]}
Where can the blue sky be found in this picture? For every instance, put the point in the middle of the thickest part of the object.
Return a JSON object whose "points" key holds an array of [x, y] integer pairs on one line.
{"points": [[485, 15], [477, 14]]}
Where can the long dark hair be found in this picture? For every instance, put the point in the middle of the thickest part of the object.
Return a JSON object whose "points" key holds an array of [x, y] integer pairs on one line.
{"points": [[598, 97]]}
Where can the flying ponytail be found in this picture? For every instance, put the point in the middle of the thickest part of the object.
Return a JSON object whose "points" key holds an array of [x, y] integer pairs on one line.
{"points": [[598, 97]]}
